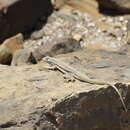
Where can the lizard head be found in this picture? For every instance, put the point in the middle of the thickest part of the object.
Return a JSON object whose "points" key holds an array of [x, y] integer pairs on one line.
{"points": [[50, 60], [47, 59]]}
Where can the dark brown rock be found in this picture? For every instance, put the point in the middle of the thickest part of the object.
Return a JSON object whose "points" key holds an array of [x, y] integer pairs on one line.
{"points": [[21, 15], [84, 112], [115, 6]]}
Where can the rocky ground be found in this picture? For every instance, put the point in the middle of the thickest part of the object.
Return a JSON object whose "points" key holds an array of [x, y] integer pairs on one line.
{"points": [[32, 97], [37, 98]]}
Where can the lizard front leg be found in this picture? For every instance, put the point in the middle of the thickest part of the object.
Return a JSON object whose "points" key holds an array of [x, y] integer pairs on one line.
{"points": [[69, 77]]}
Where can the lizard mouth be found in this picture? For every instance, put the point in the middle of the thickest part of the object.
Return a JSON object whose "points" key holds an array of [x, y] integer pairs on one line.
{"points": [[46, 58]]}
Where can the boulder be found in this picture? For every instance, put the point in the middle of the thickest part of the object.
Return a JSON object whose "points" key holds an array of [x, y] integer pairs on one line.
{"points": [[35, 98], [60, 46], [115, 6], [9, 47], [21, 15]]}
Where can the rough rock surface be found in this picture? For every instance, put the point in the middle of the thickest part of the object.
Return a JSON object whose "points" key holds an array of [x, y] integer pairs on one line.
{"points": [[21, 15], [106, 33], [35, 98], [60, 46], [32, 97]]}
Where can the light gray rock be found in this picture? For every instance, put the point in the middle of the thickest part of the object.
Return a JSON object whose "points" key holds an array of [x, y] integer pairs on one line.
{"points": [[61, 46], [22, 57]]}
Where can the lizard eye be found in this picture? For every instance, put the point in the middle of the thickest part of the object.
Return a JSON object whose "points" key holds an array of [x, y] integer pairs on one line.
{"points": [[46, 58]]}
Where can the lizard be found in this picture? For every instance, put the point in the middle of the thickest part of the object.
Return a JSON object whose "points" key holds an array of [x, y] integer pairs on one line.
{"points": [[64, 68]]}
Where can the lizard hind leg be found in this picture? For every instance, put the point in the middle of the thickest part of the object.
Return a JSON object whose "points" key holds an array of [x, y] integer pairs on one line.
{"points": [[68, 77], [52, 68]]}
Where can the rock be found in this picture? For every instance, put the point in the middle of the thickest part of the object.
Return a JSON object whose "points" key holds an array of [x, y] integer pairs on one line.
{"points": [[58, 3], [21, 15], [108, 33], [77, 37], [85, 6], [74, 111], [61, 46], [120, 6], [101, 65], [128, 31], [126, 74], [35, 98], [22, 57], [9, 47]]}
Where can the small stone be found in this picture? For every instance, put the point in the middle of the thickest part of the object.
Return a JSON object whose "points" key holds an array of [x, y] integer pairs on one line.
{"points": [[22, 57], [77, 37], [121, 19]]}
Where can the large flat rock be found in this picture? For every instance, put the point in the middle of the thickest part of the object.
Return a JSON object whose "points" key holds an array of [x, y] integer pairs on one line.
{"points": [[35, 98], [21, 15]]}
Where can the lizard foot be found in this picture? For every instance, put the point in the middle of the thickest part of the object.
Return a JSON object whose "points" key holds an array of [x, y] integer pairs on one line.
{"points": [[69, 78]]}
